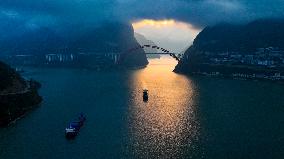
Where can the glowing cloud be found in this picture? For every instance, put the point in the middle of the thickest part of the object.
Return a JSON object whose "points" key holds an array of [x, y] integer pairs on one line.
{"points": [[169, 33], [153, 23]]}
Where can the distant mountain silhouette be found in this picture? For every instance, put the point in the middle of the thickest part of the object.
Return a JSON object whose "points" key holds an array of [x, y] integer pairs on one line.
{"points": [[142, 40]]}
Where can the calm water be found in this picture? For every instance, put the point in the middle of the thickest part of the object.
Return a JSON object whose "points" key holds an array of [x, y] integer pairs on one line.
{"points": [[186, 117]]}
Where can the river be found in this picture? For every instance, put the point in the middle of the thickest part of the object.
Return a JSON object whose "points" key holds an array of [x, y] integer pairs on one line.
{"points": [[185, 117]]}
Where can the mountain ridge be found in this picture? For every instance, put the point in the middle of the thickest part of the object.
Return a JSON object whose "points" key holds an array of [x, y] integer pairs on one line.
{"points": [[109, 37], [253, 49]]}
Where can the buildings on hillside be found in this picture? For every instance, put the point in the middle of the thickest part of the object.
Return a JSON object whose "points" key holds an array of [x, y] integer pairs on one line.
{"points": [[264, 63], [268, 57]]}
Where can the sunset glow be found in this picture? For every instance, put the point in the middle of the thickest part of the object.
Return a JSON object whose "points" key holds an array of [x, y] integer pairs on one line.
{"points": [[153, 23], [168, 33], [160, 24]]}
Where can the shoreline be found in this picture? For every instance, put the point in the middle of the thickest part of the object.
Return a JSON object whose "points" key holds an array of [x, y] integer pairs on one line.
{"points": [[233, 72], [16, 105], [229, 77]]}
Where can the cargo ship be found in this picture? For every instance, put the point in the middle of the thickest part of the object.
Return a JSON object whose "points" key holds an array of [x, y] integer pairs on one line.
{"points": [[74, 127]]}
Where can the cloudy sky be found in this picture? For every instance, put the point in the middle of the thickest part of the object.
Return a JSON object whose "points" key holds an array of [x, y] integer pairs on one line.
{"points": [[196, 13], [173, 35]]}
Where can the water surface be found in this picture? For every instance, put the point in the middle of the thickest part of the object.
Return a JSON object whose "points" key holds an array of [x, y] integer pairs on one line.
{"points": [[185, 117]]}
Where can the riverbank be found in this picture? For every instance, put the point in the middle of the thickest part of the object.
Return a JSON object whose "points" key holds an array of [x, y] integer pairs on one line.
{"points": [[234, 72], [16, 104]]}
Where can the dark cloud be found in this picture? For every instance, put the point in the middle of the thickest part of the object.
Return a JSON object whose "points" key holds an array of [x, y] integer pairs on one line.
{"points": [[89, 12], [206, 12]]}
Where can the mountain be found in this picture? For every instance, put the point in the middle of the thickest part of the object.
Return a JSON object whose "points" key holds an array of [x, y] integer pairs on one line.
{"points": [[257, 34], [253, 48], [185, 49], [109, 37], [142, 40]]}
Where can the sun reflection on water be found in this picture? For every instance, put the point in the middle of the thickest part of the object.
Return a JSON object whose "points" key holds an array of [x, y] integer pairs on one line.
{"points": [[166, 125]]}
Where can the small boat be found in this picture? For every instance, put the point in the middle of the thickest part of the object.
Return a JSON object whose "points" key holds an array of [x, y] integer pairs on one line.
{"points": [[145, 95], [74, 127]]}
